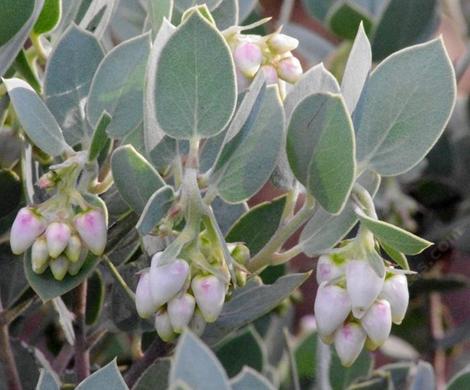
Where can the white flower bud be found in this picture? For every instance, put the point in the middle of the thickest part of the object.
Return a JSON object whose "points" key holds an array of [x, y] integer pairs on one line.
{"points": [[377, 322], [242, 82], [163, 326], [27, 226], [59, 267], [328, 269], [349, 341], [282, 43], [74, 268], [39, 255], [270, 74], [248, 58], [91, 226], [143, 297], [167, 280], [58, 236], [181, 310], [363, 285], [209, 292], [332, 307], [290, 69], [395, 291], [74, 248], [198, 323]]}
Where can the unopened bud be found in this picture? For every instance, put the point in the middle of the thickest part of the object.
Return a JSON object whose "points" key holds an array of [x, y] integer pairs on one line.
{"points": [[290, 69], [46, 181], [59, 267], [167, 280], [143, 297], [282, 43], [91, 226], [270, 74], [330, 267], [241, 254], [377, 322], [395, 291], [198, 323], [39, 255], [248, 58], [209, 292], [58, 236], [363, 285], [74, 268], [349, 341], [332, 307], [74, 248], [25, 229], [163, 326], [241, 277], [181, 310]]}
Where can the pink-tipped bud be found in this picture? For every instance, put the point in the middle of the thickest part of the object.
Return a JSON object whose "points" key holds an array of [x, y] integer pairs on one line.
{"points": [[395, 291], [329, 268], [28, 226], [39, 255], [198, 323], [59, 267], [349, 341], [270, 74], [377, 322], [290, 69], [46, 181], [248, 58], [74, 268], [143, 297], [58, 236], [181, 310], [209, 292], [163, 326], [332, 307], [167, 280], [91, 226], [74, 248], [363, 285], [282, 43]]}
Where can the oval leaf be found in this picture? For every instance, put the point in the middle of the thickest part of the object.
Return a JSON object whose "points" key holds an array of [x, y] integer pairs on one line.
{"points": [[320, 149], [49, 16], [250, 379], [107, 377], [196, 91], [156, 208]]}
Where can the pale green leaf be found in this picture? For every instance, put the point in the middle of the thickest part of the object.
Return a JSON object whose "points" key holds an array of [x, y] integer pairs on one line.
{"points": [[49, 16], [99, 139], [196, 91], [155, 377], [158, 10], [47, 381], [250, 379], [107, 377]]}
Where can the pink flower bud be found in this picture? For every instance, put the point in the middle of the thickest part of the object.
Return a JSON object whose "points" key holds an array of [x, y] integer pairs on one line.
{"points": [[198, 323], [329, 269], [332, 307], [74, 248], [209, 292], [395, 291], [282, 43], [363, 285], [74, 268], [39, 255], [163, 326], [28, 226], [58, 236], [248, 58], [181, 310], [290, 69], [377, 322], [349, 341], [91, 226], [143, 297], [59, 267], [167, 280], [270, 74]]}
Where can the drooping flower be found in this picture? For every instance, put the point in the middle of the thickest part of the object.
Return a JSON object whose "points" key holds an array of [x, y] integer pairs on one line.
{"points": [[209, 292], [28, 226], [91, 226]]}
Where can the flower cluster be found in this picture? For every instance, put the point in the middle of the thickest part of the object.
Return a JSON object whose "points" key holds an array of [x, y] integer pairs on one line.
{"points": [[271, 54], [178, 297], [354, 306]]}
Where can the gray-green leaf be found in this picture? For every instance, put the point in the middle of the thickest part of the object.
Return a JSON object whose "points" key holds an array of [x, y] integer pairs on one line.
{"points": [[250, 379], [118, 85], [107, 377], [196, 91], [156, 208], [36, 120], [320, 149]]}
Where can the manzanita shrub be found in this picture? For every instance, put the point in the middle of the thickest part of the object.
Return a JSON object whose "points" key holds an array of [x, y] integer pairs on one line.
{"points": [[140, 157]]}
